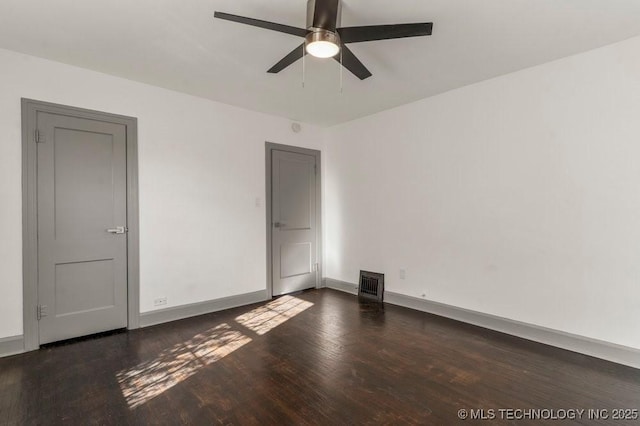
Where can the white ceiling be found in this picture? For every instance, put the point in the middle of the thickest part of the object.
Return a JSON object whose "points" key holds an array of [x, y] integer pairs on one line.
{"points": [[178, 45]]}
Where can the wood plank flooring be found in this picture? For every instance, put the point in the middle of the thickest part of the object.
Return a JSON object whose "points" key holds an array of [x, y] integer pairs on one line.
{"points": [[317, 357]]}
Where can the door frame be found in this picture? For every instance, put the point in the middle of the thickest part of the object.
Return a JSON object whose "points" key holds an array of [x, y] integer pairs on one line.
{"points": [[269, 148], [30, 109]]}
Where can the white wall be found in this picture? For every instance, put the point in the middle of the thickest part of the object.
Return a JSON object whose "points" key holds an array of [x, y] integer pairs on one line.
{"points": [[201, 169], [517, 197]]}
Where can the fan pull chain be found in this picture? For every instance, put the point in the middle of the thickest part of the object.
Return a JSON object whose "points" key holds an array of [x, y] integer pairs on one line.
{"points": [[341, 71], [303, 63]]}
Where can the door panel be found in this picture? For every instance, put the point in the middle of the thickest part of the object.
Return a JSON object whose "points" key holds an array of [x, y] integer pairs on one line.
{"points": [[295, 181], [83, 167], [84, 286], [295, 259], [294, 237], [82, 270]]}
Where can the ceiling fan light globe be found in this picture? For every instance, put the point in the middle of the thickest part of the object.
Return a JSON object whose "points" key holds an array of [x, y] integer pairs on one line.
{"points": [[323, 49], [322, 44]]}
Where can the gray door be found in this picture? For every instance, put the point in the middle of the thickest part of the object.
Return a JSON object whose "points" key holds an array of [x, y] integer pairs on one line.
{"points": [[82, 254], [294, 234]]}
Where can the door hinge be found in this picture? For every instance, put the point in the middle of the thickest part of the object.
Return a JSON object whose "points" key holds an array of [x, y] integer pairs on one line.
{"points": [[315, 169], [39, 137], [316, 267], [41, 311]]}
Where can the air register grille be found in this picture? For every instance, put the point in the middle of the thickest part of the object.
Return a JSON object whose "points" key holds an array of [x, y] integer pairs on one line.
{"points": [[371, 286]]}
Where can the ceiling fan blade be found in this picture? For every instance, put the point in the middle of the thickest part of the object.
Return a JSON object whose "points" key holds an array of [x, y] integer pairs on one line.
{"points": [[295, 54], [300, 32], [352, 63], [384, 32]]}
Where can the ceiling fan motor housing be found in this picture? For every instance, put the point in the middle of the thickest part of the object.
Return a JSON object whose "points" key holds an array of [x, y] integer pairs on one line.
{"points": [[323, 21]]}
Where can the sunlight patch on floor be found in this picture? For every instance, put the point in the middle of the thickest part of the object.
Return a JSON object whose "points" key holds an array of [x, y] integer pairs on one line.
{"points": [[265, 318], [149, 379]]}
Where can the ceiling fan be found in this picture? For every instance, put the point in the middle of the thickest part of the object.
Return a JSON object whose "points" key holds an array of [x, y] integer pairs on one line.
{"points": [[325, 38]]}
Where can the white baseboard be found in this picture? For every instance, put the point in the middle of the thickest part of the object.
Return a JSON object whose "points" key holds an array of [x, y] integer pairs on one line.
{"points": [[597, 348], [15, 344], [186, 311], [11, 345], [341, 285]]}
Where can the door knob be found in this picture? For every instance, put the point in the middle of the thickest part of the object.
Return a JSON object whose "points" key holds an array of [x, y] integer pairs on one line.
{"points": [[278, 224], [117, 230]]}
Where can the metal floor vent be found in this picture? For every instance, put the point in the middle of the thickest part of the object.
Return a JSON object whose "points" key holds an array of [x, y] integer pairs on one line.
{"points": [[371, 286]]}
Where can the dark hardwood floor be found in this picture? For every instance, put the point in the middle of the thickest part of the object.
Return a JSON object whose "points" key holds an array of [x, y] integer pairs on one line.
{"points": [[317, 357]]}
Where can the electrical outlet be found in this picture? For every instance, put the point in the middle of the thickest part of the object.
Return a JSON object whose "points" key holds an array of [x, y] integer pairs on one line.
{"points": [[160, 301], [403, 274]]}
